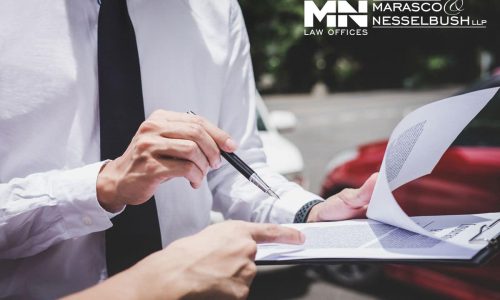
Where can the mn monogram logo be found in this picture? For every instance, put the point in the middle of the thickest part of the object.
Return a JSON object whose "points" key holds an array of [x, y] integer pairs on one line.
{"points": [[339, 14]]}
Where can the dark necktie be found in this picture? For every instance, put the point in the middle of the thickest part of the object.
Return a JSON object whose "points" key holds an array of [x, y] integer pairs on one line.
{"points": [[136, 231]]}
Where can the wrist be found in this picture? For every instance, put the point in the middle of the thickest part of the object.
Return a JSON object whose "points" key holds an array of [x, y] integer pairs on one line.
{"points": [[308, 212], [106, 189], [313, 214]]}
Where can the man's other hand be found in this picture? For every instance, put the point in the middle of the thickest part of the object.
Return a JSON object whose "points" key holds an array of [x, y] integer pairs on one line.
{"points": [[166, 145], [217, 263], [348, 204]]}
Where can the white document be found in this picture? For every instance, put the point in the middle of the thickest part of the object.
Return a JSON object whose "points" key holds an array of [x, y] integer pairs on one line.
{"points": [[369, 239], [415, 147]]}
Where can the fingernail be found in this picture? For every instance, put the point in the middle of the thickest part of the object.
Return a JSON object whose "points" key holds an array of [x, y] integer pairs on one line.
{"points": [[230, 144], [302, 237]]}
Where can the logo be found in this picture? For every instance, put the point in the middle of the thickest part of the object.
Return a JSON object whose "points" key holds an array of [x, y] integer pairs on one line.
{"points": [[342, 17], [337, 13]]}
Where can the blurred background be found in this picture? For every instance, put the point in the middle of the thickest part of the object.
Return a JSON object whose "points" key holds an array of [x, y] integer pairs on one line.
{"points": [[329, 104], [286, 61]]}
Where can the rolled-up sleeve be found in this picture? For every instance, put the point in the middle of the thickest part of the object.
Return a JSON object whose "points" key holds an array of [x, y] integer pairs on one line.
{"points": [[234, 196], [44, 208]]}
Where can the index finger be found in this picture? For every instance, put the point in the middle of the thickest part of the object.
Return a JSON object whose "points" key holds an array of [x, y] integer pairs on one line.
{"points": [[272, 233], [221, 138]]}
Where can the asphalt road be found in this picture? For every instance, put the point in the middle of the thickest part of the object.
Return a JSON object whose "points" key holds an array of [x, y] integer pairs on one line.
{"points": [[328, 126], [332, 124]]}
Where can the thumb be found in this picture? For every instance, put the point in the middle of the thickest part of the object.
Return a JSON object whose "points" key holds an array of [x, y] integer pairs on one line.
{"points": [[349, 203]]}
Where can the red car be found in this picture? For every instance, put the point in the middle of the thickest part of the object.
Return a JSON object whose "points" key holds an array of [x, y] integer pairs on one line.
{"points": [[466, 180]]}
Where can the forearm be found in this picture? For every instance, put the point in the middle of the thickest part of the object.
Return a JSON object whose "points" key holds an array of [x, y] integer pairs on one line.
{"points": [[45, 208], [120, 286], [233, 195], [158, 276], [237, 198]]}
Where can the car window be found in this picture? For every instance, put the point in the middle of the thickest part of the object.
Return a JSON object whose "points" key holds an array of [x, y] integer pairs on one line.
{"points": [[484, 130], [261, 126]]}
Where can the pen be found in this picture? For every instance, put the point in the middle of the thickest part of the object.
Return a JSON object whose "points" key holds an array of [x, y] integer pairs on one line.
{"points": [[246, 171]]}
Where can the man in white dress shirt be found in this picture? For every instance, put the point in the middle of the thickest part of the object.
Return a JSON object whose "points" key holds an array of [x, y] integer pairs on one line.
{"points": [[194, 55]]}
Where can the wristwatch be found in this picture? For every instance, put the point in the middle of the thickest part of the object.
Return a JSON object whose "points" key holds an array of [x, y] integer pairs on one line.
{"points": [[303, 213]]}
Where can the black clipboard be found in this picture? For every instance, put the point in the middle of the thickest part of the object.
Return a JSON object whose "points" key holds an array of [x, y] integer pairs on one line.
{"points": [[482, 257]]}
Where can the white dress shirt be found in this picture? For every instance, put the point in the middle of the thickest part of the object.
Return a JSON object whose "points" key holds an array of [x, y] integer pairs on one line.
{"points": [[194, 56]]}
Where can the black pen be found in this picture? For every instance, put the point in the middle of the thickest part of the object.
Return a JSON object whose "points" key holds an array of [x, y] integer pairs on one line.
{"points": [[246, 171]]}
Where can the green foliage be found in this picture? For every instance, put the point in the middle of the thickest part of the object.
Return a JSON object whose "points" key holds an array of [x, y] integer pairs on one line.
{"points": [[274, 27]]}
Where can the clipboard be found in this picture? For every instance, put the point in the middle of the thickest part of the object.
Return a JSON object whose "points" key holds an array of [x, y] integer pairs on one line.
{"points": [[481, 258]]}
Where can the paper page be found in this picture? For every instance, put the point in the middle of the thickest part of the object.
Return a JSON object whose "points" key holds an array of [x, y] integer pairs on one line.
{"points": [[371, 239], [416, 146]]}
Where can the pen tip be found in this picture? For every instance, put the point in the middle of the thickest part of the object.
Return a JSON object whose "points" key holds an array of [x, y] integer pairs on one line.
{"points": [[273, 194]]}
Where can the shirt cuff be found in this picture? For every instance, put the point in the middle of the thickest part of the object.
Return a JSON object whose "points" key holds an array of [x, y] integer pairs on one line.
{"points": [[81, 210], [290, 202]]}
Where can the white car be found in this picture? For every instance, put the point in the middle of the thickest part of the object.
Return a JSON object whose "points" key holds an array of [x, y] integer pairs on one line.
{"points": [[282, 156]]}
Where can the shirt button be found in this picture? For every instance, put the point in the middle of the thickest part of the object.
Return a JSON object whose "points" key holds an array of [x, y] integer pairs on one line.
{"points": [[87, 220]]}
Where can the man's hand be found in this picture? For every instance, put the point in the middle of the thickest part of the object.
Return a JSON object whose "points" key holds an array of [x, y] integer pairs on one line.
{"points": [[217, 263], [166, 145], [221, 258], [348, 204]]}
